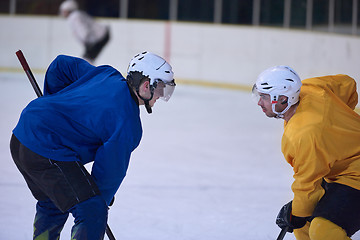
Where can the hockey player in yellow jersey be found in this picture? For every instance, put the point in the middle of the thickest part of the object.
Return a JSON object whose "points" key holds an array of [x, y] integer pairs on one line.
{"points": [[321, 142]]}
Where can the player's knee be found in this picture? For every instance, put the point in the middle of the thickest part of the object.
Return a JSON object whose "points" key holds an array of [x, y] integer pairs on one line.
{"points": [[93, 208], [90, 219], [323, 229]]}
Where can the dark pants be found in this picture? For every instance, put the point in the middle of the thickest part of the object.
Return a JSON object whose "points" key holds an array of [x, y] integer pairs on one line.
{"points": [[61, 188], [341, 205], [93, 50], [90, 220]]}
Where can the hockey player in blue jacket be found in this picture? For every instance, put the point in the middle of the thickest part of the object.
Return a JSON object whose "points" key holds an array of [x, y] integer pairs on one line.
{"points": [[87, 114]]}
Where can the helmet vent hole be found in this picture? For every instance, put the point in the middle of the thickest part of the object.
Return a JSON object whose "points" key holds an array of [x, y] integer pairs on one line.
{"points": [[167, 71], [290, 80], [141, 58]]}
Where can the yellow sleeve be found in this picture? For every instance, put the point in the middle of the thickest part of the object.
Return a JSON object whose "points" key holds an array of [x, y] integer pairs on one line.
{"points": [[310, 165]]}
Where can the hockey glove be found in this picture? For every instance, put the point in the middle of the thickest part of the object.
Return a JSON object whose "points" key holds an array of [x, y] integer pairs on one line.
{"points": [[286, 219]]}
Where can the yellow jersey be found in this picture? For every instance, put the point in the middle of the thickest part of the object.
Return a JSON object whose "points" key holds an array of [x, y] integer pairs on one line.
{"points": [[322, 139]]}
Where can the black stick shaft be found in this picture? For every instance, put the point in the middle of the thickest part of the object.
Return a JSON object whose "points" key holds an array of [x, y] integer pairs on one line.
{"points": [[28, 72], [109, 233], [282, 233], [38, 92]]}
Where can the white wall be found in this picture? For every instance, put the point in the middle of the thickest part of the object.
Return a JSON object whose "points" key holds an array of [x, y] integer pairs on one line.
{"points": [[206, 52]]}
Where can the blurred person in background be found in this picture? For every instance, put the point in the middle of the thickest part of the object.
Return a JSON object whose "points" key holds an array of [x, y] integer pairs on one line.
{"points": [[90, 33], [321, 141]]}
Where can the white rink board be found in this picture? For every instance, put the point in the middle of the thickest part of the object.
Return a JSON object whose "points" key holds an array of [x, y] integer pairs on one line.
{"points": [[206, 52]]}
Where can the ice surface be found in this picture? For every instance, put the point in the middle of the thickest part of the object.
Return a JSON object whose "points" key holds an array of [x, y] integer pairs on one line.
{"points": [[209, 167]]}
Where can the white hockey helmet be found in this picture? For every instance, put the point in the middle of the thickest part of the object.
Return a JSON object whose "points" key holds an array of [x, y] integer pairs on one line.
{"points": [[157, 70], [69, 6], [279, 81]]}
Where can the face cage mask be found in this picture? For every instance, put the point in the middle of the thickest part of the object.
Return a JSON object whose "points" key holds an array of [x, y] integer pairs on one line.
{"points": [[164, 89]]}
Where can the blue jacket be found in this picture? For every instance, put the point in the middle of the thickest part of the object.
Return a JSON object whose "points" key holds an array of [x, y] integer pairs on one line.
{"points": [[87, 114]]}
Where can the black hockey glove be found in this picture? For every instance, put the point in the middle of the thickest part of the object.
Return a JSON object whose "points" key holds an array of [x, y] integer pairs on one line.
{"points": [[286, 219]]}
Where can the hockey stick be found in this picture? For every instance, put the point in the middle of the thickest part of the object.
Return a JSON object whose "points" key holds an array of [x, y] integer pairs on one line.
{"points": [[28, 72], [282, 233], [109, 233], [38, 92]]}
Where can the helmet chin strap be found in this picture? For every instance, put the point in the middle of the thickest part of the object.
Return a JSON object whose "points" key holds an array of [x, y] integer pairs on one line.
{"points": [[146, 101], [147, 106]]}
